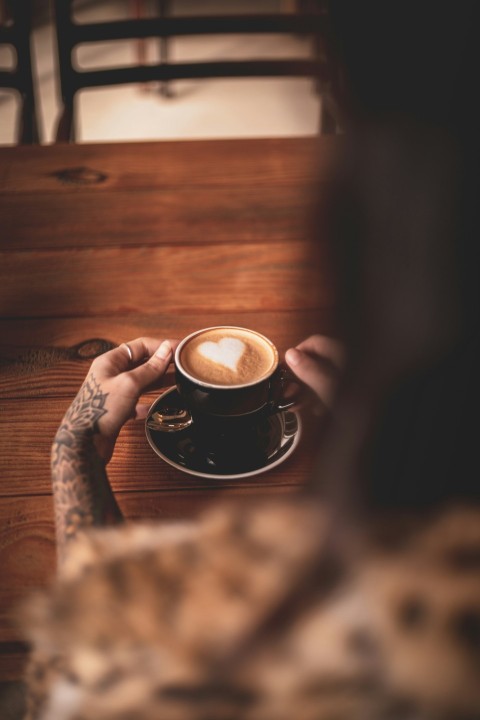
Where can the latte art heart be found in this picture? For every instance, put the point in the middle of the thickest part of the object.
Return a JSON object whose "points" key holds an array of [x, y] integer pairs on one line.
{"points": [[226, 352], [227, 356]]}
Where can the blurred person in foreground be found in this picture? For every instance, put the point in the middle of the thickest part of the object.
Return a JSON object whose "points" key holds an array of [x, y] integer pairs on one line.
{"points": [[359, 598]]}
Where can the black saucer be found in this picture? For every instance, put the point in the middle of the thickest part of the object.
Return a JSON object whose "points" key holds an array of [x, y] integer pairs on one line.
{"points": [[268, 444]]}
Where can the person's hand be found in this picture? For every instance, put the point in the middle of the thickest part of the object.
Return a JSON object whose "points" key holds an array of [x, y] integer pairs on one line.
{"points": [[110, 393], [317, 362]]}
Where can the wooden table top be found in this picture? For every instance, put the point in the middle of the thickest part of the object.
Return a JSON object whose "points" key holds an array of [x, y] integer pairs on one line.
{"points": [[100, 244]]}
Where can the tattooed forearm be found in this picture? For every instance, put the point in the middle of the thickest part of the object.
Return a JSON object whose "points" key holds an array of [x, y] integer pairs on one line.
{"points": [[82, 493]]}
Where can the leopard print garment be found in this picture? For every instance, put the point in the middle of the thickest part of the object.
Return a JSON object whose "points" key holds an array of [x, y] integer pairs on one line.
{"points": [[198, 621]]}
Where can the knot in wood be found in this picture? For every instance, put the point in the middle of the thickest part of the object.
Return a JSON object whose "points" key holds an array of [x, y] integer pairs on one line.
{"points": [[80, 176], [90, 349]]}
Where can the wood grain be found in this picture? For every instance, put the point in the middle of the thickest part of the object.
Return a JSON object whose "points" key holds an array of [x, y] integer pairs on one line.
{"points": [[163, 193], [282, 327], [153, 217], [225, 279], [257, 163]]}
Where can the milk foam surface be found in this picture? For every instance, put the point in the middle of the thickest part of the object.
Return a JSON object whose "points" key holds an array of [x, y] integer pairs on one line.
{"points": [[228, 356]]}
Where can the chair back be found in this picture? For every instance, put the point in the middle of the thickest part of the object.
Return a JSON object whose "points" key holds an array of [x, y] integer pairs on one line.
{"points": [[71, 34], [15, 31]]}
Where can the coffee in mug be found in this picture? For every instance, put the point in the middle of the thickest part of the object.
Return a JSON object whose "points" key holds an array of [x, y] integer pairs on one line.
{"points": [[227, 357]]}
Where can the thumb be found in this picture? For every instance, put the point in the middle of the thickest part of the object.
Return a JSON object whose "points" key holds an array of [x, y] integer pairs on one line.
{"points": [[312, 373], [155, 367]]}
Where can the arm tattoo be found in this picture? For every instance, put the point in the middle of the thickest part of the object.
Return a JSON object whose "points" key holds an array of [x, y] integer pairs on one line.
{"points": [[82, 494]]}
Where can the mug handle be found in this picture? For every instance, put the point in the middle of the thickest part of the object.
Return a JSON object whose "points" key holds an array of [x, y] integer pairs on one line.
{"points": [[286, 378]]}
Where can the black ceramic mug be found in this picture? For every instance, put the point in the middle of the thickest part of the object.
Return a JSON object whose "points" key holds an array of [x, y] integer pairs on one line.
{"points": [[229, 379]]}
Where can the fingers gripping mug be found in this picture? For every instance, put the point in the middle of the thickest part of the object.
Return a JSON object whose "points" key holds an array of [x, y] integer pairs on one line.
{"points": [[227, 377]]}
